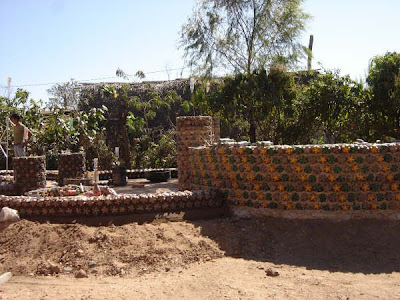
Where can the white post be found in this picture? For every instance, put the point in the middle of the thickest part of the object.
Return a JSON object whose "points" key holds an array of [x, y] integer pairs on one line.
{"points": [[191, 84], [7, 128], [208, 86], [5, 141], [95, 169], [117, 153]]}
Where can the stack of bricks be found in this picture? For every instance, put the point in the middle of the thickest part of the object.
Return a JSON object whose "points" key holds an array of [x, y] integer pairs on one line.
{"points": [[71, 165], [113, 204], [29, 173], [192, 132], [337, 177]]}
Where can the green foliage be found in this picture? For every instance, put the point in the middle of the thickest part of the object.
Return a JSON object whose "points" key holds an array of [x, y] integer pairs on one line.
{"points": [[109, 91], [154, 145], [55, 134], [289, 108], [139, 74], [243, 36], [259, 101], [76, 131], [28, 109], [22, 105], [331, 108], [161, 154], [139, 118], [57, 130], [285, 107], [384, 82]]}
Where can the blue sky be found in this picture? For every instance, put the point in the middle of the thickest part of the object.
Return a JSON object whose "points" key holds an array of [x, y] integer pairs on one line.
{"points": [[48, 41]]}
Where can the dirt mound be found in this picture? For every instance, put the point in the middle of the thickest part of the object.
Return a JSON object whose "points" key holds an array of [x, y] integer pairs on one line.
{"points": [[29, 247], [361, 246], [322, 258]]}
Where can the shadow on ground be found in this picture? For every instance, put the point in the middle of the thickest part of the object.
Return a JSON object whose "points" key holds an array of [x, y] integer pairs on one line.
{"points": [[365, 246]]}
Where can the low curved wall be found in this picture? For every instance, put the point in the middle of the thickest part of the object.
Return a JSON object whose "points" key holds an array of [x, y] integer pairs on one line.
{"points": [[112, 205], [310, 177], [8, 189]]}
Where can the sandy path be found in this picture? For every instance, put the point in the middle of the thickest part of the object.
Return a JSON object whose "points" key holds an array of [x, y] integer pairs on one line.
{"points": [[225, 278]]}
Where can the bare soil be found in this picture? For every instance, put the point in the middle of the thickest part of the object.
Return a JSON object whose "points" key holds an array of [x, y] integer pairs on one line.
{"points": [[148, 187], [206, 259]]}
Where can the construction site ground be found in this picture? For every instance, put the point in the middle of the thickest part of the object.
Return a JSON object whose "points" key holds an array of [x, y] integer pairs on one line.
{"points": [[137, 186], [223, 258], [133, 186]]}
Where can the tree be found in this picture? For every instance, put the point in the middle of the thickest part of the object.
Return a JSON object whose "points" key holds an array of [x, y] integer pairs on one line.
{"points": [[28, 109], [118, 118], [65, 95], [154, 140], [243, 35], [384, 82], [56, 131], [271, 93], [331, 109], [139, 74], [75, 131]]}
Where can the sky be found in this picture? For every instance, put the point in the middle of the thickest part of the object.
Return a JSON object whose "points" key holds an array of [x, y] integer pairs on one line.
{"points": [[44, 42]]}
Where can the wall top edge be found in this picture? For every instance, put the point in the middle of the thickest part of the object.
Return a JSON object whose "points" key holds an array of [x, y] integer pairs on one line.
{"points": [[193, 117], [28, 157], [144, 196], [248, 148]]}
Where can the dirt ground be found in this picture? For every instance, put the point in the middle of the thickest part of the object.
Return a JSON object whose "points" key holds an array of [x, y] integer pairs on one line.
{"points": [[138, 186], [148, 187], [205, 259]]}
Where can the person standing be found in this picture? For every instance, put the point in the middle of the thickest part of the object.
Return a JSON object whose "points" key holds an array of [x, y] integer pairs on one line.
{"points": [[20, 132]]}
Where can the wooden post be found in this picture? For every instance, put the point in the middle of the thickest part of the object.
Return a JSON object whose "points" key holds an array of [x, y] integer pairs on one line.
{"points": [[310, 46]]}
